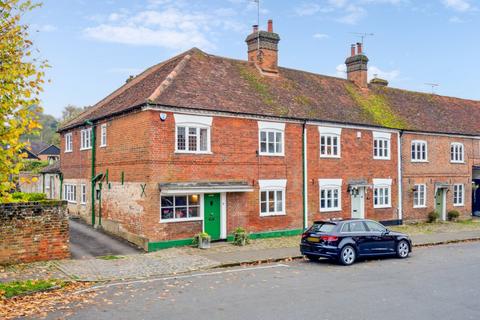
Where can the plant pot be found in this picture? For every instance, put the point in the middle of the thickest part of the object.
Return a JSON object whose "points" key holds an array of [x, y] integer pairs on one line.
{"points": [[204, 243]]}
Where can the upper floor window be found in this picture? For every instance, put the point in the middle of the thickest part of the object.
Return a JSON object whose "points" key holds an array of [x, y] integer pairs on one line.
{"points": [[419, 151], [382, 193], [86, 139], [192, 134], [419, 196], [330, 142], [457, 153], [381, 145], [458, 195], [68, 142], [103, 135], [271, 138], [272, 197], [330, 195]]}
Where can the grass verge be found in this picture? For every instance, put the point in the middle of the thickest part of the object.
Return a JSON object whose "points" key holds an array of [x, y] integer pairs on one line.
{"points": [[17, 288]]}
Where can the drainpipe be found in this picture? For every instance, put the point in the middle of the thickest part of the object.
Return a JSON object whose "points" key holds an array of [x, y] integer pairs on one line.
{"points": [[90, 123], [400, 180], [61, 185], [100, 204], [304, 171]]}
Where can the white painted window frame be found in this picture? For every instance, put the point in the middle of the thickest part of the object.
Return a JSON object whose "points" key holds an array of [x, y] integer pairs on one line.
{"points": [[68, 142], [326, 185], [330, 132], [417, 142], [382, 184], [457, 150], [386, 138], [197, 123], [273, 186], [70, 193], [275, 128], [417, 191], [103, 135], [86, 139], [457, 187], [175, 220], [83, 193]]}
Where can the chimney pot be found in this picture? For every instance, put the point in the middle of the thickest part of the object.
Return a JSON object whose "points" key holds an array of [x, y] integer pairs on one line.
{"points": [[359, 46], [255, 28], [270, 25], [352, 49]]}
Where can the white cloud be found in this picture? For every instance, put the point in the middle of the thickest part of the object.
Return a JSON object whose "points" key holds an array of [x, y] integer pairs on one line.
{"points": [[321, 36], [456, 19], [352, 14], [458, 5], [341, 71]]}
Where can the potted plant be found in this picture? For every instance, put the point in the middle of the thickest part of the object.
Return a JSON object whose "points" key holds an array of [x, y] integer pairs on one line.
{"points": [[202, 240], [240, 237]]}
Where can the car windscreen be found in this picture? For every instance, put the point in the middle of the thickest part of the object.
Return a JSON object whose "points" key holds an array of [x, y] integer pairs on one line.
{"points": [[323, 227]]}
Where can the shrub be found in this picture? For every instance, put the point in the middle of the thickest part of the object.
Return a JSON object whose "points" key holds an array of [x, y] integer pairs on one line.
{"points": [[453, 215], [433, 216], [240, 237], [27, 197]]}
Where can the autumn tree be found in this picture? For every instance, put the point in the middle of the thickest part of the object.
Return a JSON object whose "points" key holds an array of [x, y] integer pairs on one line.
{"points": [[21, 81]]}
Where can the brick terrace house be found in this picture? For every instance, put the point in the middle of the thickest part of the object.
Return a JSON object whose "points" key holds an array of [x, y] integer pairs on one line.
{"points": [[201, 142]]}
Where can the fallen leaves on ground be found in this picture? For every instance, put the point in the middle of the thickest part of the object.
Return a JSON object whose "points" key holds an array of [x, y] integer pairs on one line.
{"points": [[41, 303]]}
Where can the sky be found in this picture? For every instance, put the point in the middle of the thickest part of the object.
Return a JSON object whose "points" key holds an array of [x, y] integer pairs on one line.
{"points": [[93, 46]]}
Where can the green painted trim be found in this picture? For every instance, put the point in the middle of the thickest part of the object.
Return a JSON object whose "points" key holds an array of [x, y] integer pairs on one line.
{"points": [[123, 177], [271, 234], [155, 246]]}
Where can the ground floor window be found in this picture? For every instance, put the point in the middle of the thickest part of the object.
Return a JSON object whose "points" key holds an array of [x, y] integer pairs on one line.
{"points": [[70, 193], [180, 208], [458, 194], [330, 195], [83, 194], [419, 196], [271, 202], [381, 197]]}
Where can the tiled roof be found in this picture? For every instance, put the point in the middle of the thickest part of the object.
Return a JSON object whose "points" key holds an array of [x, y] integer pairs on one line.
{"points": [[198, 80], [52, 168]]}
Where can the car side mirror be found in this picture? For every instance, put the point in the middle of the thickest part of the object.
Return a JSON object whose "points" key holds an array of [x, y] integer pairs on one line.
{"points": [[387, 231]]}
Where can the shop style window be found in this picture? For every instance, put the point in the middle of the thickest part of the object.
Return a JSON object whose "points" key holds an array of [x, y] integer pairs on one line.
{"points": [[86, 139], [330, 195], [272, 197], [70, 193], [192, 134], [382, 193], [68, 142], [419, 151], [330, 142], [180, 208], [271, 138], [419, 196], [457, 153], [458, 195], [381, 145]]}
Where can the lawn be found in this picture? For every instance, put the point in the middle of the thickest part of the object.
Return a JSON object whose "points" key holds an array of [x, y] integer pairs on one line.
{"points": [[438, 227], [16, 288]]}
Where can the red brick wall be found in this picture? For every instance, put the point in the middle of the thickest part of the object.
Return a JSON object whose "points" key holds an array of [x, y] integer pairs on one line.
{"points": [[33, 232], [356, 163], [438, 169]]}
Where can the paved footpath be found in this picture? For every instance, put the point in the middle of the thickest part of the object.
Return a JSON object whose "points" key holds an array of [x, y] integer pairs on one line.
{"points": [[181, 260]]}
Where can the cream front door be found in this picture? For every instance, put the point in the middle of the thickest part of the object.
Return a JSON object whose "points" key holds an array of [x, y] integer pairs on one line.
{"points": [[358, 202]]}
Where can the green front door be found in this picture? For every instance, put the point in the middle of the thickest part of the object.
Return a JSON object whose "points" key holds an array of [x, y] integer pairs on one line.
{"points": [[212, 215], [439, 203]]}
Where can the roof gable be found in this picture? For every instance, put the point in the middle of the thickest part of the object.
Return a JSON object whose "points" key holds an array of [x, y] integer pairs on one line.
{"points": [[50, 150]]}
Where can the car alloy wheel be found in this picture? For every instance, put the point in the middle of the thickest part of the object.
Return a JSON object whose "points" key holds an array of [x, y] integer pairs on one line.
{"points": [[347, 255], [403, 249]]}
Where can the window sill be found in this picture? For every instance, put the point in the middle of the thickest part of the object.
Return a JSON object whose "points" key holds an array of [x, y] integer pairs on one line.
{"points": [[419, 161], [419, 207], [382, 207], [104, 146], [180, 220], [459, 205], [69, 151], [376, 158], [193, 152], [330, 210], [272, 214], [457, 162], [84, 149], [71, 202], [272, 154], [330, 157]]}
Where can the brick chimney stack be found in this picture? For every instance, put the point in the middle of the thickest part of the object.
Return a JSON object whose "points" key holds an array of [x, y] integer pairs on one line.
{"points": [[357, 66], [263, 49]]}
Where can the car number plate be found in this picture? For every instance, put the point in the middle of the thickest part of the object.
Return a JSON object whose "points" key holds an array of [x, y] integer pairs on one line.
{"points": [[312, 239]]}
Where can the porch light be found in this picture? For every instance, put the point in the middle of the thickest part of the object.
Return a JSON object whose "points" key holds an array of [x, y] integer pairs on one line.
{"points": [[194, 198]]}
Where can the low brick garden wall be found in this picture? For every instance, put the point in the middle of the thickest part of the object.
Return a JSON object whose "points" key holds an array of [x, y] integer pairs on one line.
{"points": [[33, 231]]}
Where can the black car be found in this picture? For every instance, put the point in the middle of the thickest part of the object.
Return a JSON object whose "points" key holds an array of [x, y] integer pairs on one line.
{"points": [[346, 240]]}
